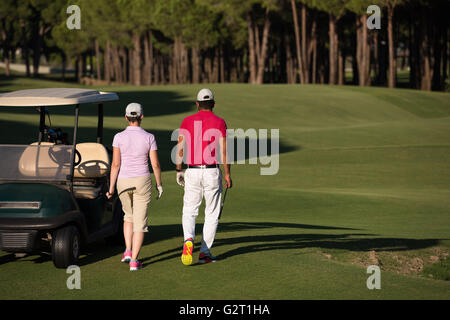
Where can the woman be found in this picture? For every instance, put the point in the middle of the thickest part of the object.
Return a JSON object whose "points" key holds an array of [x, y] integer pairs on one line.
{"points": [[131, 150]]}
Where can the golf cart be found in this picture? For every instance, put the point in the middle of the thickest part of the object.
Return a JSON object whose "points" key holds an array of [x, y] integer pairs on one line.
{"points": [[52, 192]]}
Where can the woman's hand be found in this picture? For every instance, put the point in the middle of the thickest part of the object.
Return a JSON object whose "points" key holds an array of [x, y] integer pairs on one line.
{"points": [[160, 191], [109, 194]]}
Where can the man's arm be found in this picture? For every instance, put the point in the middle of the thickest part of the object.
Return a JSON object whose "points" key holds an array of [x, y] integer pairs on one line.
{"points": [[180, 153], [226, 165], [179, 161]]}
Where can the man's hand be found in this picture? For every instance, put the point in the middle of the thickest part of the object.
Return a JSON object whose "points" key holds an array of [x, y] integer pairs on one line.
{"points": [[228, 182], [160, 192], [180, 178]]}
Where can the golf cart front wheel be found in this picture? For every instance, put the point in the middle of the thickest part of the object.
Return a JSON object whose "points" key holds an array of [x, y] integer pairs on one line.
{"points": [[65, 246]]}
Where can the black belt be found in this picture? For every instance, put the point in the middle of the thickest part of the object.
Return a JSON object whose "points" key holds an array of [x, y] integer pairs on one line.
{"points": [[206, 166]]}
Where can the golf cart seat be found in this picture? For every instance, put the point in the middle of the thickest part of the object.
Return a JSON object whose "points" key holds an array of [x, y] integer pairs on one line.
{"points": [[45, 161], [94, 161], [88, 174]]}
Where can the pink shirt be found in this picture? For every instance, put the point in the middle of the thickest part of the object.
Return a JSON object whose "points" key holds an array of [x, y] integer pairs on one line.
{"points": [[202, 132], [135, 144]]}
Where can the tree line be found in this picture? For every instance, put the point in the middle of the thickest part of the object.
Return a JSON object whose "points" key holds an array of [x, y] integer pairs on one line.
{"points": [[145, 42]]}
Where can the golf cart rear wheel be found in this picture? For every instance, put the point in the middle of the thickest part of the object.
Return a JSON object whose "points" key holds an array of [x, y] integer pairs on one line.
{"points": [[66, 246]]}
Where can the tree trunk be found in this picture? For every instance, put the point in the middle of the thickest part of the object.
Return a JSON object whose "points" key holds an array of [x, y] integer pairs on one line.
{"points": [[444, 58], [25, 50], [156, 63], [221, 64], [146, 72], [251, 49], [363, 51], [5, 48], [426, 63], [264, 49], [150, 66], [184, 63], [290, 64], [179, 67], [333, 49], [148, 57], [162, 70], [376, 58], [195, 64], [297, 42], [79, 62], [38, 38], [341, 67], [97, 60], [122, 64], [107, 62], [413, 51], [312, 52], [392, 74], [215, 69], [438, 31], [173, 65], [135, 64], [314, 61], [305, 55], [91, 64]]}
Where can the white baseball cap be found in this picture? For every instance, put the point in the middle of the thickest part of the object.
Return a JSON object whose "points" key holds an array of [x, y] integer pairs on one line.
{"points": [[134, 110], [205, 95]]}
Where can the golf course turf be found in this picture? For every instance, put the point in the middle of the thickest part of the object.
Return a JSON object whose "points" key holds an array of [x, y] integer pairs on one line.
{"points": [[364, 179]]}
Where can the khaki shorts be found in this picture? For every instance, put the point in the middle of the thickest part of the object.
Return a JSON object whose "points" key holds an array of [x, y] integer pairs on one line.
{"points": [[135, 203]]}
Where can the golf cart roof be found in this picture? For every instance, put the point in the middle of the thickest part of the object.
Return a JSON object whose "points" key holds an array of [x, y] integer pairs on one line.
{"points": [[54, 97]]}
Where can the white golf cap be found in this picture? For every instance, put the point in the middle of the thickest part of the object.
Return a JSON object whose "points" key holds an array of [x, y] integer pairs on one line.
{"points": [[134, 110], [205, 95]]}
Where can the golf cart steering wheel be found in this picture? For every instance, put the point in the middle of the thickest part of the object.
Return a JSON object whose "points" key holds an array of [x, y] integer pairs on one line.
{"points": [[55, 157], [77, 154]]}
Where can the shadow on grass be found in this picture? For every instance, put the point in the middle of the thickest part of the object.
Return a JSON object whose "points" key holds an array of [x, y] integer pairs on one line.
{"points": [[256, 243], [250, 242]]}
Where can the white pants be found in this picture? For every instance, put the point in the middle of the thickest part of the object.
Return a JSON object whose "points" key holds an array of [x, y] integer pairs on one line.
{"points": [[199, 183]]}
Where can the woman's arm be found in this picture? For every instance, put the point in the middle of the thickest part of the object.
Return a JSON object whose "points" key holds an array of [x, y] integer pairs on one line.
{"points": [[115, 168], [156, 166]]}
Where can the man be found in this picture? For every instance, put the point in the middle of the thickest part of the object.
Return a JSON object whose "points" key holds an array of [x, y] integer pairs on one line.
{"points": [[201, 135]]}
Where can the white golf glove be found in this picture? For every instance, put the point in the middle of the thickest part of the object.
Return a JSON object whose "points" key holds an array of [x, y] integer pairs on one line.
{"points": [[160, 192], [180, 178]]}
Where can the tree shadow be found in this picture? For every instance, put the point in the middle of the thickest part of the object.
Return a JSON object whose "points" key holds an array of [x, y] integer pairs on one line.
{"points": [[346, 241], [14, 132], [256, 148], [155, 103], [249, 242]]}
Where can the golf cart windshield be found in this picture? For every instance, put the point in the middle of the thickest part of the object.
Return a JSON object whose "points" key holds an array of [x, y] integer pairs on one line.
{"points": [[45, 162]]}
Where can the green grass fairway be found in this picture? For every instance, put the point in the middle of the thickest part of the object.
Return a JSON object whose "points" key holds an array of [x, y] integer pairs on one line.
{"points": [[364, 179]]}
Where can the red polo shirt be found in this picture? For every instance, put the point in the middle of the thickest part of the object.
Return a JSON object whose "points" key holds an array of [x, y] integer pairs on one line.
{"points": [[202, 132]]}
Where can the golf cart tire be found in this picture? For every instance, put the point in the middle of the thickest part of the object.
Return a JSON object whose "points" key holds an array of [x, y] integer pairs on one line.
{"points": [[65, 246]]}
